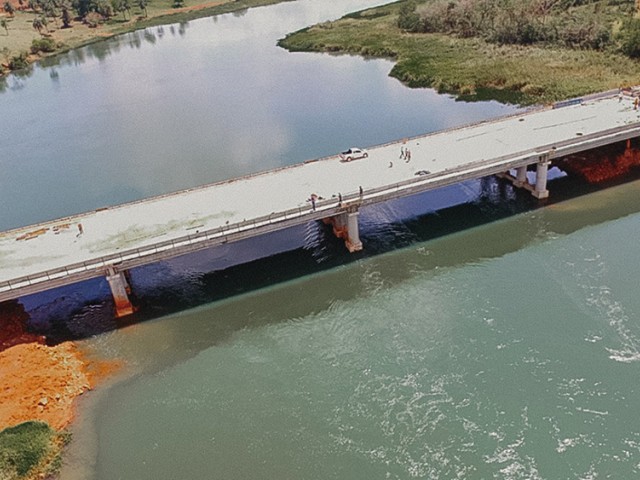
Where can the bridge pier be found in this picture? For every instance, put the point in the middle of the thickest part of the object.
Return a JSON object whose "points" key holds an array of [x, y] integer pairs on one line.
{"points": [[540, 190], [345, 226], [521, 177], [120, 290]]}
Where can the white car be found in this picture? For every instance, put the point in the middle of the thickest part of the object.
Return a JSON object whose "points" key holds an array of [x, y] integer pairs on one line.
{"points": [[353, 154]]}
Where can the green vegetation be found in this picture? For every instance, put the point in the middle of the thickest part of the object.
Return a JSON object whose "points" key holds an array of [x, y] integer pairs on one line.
{"points": [[519, 51], [18, 62], [28, 448], [43, 45]]}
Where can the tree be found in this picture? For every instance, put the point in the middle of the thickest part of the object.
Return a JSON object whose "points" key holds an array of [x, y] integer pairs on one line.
{"points": [[143, 6], [51, 12], [122, 6], [631, 42], [83, 7], [37, 24], [9, 8], [408, 19], [66, 17], [104, 8]]}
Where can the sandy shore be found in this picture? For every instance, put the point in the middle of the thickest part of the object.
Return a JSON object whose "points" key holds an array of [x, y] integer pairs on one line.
{"points": [[40, 382]]}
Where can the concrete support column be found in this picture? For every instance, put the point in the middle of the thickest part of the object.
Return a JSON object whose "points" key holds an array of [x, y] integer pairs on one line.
{"points": [[540, 191], [521, 177], [345, 226], [353, 233], [120, 291]]}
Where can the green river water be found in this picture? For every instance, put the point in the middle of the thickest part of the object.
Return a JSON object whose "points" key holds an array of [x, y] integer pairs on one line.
{"points": [[509, 350], [478, 336]]}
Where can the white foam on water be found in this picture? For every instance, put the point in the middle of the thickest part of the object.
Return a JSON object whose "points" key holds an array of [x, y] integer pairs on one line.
{"points": [[624, 356], [594, 412], [591, 275]]}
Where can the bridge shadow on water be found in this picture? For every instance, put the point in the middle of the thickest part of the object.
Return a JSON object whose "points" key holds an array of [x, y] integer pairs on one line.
{"points": [[441, 219]]}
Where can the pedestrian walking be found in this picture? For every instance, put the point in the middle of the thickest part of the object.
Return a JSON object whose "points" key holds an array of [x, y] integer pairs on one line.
{"points": [[636, 102], [402, 154], [314, 197], [407, 154], [390, 164]]}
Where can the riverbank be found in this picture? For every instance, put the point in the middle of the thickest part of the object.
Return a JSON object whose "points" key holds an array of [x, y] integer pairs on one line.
{"points": [[17, 49], [39, 385], [470, 68]]}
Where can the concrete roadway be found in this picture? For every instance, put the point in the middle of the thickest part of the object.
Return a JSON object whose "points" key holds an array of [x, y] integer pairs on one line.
{"points": [[31, 250]]}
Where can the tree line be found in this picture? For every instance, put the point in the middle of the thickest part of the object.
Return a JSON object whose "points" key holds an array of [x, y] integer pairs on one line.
{"points": [[81, 10], [582, 24]]}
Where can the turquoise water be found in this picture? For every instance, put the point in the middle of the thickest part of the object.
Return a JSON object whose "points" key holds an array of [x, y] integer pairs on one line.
{"points": [[477, 336], [461, 357]]}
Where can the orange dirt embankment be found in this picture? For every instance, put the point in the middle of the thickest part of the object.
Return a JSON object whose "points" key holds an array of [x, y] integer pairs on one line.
{"points": [[38, 382], [604, 163]]}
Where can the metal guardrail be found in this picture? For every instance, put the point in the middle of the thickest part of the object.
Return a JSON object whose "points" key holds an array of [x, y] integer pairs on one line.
{"points": [[331, 206]]}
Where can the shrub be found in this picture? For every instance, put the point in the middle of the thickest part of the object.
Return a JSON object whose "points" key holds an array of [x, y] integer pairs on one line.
{"points": [[631, 38], [93, 19], [408, 19], [43, 45], [27, 446], [18, 62], [585, 34]]}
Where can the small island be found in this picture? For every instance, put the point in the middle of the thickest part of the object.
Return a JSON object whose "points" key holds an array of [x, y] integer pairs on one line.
{"points": [[524, 52]]}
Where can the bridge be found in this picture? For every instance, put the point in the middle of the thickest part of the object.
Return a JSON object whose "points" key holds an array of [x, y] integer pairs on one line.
{"points": [[110, 241]]}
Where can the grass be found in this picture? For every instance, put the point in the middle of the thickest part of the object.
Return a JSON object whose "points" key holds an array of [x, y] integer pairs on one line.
{"points": [[20, 34], [30, 450], [472, 69]]}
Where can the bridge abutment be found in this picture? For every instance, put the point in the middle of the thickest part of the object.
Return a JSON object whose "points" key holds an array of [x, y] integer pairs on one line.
{"points": [[120, 290]]}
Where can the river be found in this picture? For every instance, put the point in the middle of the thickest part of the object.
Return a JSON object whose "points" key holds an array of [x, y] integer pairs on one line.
{"points": [[477, 336]]}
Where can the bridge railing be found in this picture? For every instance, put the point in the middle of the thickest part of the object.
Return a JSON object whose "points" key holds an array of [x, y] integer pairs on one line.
{"points": [[330, 206]]}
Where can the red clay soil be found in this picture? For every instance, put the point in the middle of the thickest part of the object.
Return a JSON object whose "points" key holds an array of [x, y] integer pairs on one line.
{"points": [[12, 326], [39, 382], [604, 163]]}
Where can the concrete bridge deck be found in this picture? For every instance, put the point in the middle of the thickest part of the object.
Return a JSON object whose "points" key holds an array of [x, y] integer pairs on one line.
{"points": [[38, 257]]}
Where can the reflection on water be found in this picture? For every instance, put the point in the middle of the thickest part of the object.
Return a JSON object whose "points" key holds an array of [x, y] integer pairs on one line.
{"points": [[228, 271], [129, 118], [476, 336]]}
